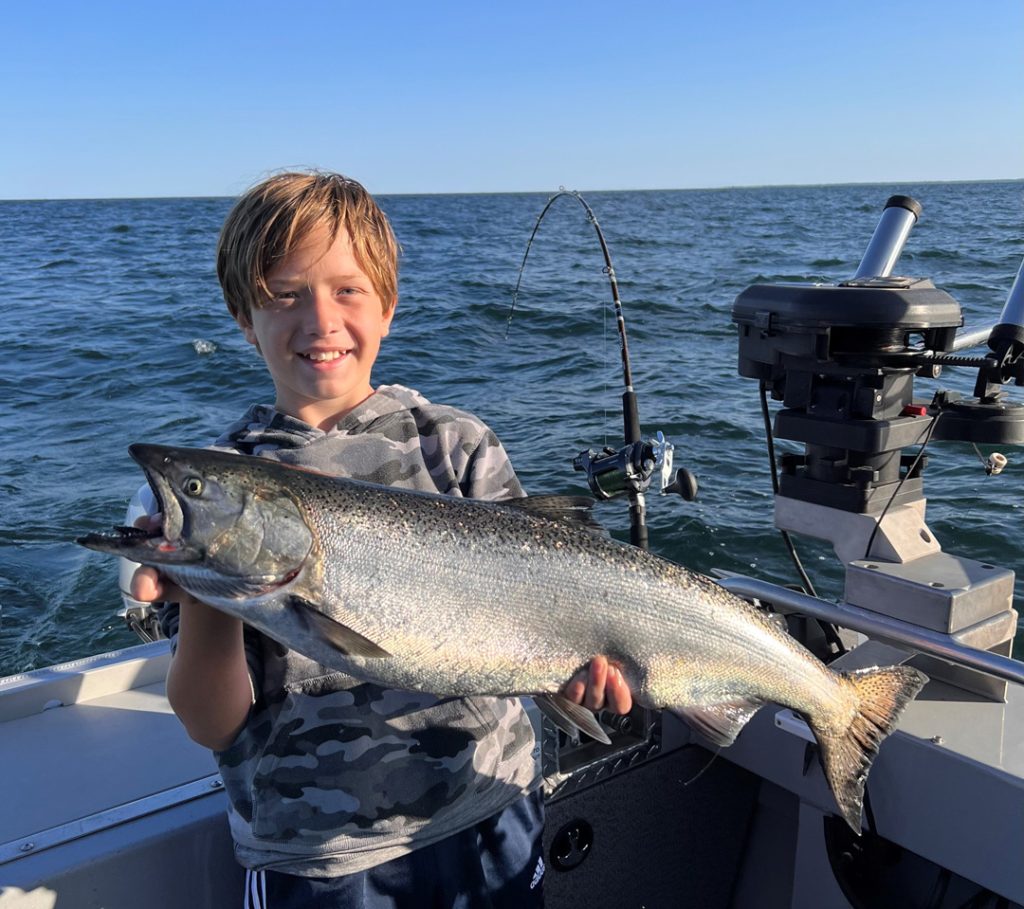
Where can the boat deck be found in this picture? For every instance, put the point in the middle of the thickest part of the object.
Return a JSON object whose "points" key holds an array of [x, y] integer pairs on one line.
{"points": [[98, 773]]}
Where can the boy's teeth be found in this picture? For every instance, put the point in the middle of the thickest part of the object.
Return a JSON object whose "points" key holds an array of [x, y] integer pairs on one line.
{"points": [[324, 356]]}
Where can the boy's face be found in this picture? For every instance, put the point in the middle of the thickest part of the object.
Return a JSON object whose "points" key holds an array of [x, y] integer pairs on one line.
{"points": [[321, 331]]}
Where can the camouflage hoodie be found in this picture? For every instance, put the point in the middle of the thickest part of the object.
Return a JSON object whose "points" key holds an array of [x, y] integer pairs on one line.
{"points": [[329, 775]]}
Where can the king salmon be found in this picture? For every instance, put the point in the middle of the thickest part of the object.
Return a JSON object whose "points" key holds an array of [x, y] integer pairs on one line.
{"points": [[451, 596]]}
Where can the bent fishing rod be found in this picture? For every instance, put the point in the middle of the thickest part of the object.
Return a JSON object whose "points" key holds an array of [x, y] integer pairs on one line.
{"points": [[629, 470]]}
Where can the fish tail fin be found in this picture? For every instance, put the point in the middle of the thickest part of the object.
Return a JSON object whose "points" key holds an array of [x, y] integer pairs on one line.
{"points": [[847, 755]]}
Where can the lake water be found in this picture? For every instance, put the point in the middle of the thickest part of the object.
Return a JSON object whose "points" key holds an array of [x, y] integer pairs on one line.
{"points": [[116, 332]]}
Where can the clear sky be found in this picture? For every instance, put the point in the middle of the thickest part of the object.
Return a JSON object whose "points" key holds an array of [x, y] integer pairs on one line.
{"points": [[200, 97]]}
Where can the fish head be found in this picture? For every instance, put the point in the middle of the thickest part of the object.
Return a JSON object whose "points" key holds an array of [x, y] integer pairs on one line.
{"points": [[223, 518]]}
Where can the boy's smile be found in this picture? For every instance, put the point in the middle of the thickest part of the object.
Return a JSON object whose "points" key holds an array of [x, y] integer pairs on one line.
{"points": [[320, 331]]}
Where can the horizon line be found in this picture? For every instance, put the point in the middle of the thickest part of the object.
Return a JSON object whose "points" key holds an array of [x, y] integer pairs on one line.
{"points": [[541, 192]]}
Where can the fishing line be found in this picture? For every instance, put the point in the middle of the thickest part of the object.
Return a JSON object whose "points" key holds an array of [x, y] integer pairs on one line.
{"points": [[630, 414], [993, 464], [609, 270], [604, 370], [704, 769]]}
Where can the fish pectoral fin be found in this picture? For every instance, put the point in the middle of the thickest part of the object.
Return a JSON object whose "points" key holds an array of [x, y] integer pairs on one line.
{"points": [[720, 723], [343, 638], [571, 718]]}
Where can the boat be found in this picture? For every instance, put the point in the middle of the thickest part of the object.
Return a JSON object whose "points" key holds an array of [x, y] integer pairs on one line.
{"points": [[111, 805]]}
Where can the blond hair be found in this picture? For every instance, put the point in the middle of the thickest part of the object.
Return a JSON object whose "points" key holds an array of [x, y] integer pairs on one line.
{"points": [[274, 217]]}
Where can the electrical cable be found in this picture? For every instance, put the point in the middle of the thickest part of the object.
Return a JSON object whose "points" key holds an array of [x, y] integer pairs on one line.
{"points": [[829, 630], [899, 485]]}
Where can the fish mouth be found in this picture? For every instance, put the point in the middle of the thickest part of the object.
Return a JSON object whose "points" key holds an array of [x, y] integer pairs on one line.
{"points": [[154, 460], [138, 545], [164, 545]]}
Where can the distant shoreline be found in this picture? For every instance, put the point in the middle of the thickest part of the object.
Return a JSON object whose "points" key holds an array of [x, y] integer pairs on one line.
{"points": [[548, 192]]}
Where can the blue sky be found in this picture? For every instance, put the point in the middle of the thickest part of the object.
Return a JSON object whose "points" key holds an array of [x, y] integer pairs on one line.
{"points": [[102, 99]]}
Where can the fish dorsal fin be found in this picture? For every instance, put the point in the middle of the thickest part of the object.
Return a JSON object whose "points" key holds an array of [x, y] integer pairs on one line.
{"points": [[570, 717], [720, 723], [341, 637], [575, 510]]}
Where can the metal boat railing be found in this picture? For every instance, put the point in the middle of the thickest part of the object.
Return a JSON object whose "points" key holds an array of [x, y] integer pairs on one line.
{"points": [[876, 625]]}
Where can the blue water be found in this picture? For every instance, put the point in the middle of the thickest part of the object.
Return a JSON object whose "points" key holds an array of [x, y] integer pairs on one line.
{"points": [[115, 331]]}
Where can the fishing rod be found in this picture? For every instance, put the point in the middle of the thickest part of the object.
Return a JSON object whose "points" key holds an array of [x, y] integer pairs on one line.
{"points": [[629, 469]]}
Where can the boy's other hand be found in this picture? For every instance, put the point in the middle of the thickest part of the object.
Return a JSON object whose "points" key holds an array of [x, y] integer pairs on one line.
{"points": [[600, 687], [148, 585]]}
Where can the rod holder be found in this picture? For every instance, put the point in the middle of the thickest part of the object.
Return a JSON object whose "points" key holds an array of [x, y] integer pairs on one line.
{"points": [[898, 217], [1010, 328]]}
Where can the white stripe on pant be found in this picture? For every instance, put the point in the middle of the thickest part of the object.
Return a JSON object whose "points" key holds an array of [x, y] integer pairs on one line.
{"points": [[255, 890]]}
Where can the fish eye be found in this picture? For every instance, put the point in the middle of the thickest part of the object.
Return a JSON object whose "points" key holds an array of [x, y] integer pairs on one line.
{"points": [[192, 486]]}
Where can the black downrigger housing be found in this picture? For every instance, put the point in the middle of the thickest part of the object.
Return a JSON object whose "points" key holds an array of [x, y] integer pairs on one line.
{"points": [[842, 358]]}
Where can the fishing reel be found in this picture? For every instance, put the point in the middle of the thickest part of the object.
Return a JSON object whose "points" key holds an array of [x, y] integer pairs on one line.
{"points": [[630, 469]]}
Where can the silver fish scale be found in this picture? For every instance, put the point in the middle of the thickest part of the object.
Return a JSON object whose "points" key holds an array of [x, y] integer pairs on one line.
{"points": [[482, 598]]}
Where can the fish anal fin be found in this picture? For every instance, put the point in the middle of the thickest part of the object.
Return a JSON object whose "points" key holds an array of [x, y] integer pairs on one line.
{"points": [[570, 717], [341, 637], [720, 723]]}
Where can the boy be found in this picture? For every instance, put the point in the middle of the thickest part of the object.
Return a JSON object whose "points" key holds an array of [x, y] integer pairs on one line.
{"points": [[342, 793]]}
